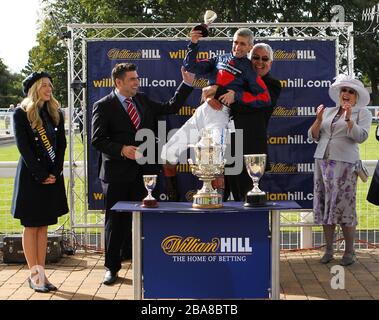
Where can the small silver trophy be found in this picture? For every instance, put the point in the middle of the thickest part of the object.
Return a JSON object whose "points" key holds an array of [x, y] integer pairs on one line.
{"points": [[209, 164], [209, 17], [149, 181], [255, 166]]}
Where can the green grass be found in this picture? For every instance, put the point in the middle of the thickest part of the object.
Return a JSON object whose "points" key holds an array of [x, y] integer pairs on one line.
{"points": [[369, 149], [10, 152]]}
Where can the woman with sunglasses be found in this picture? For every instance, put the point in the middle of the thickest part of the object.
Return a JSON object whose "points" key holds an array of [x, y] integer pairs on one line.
{"points": [[338, 131]]}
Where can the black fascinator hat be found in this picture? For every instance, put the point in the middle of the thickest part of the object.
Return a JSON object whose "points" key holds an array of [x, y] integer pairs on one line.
{"points": [[32, 78]]}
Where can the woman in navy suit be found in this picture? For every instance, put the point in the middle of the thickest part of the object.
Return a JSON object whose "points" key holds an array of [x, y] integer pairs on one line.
{"points": [[39, 196]]}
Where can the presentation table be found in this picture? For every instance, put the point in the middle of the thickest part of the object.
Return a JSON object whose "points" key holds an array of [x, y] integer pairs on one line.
{"points": [[227, 253]]}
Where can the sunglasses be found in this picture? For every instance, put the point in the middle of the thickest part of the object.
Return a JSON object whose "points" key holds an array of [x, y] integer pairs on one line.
{"points": [[264, 59], [351, 91]]}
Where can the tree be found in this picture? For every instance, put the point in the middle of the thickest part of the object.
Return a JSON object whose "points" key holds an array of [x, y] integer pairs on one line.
{"points": [[366, 46], [51, 55], [10, 86]]}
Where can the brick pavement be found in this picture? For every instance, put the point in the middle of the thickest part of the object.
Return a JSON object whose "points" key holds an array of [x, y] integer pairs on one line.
{"points": [[302, 277]]}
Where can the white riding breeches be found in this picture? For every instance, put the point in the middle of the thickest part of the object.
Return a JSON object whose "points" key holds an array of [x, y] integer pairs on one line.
{"points": [[205, 117]]}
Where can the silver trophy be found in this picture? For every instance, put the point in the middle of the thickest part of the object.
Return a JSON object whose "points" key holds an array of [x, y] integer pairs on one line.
{"points": [[209, 17], [255, 166], [150, 182], [209, 164]]}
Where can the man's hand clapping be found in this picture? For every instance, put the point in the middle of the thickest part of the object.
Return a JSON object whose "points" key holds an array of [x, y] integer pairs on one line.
{"points": [[347, 107], [320, 113]]}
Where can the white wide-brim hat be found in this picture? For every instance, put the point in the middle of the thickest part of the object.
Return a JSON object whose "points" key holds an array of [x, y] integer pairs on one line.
{"points": [[342, 81]]}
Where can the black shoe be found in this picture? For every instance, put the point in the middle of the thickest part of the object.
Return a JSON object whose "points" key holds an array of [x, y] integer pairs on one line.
{"points": [[326, 258], [110, 277], [37, 288], [348, 259], [51, 287]]}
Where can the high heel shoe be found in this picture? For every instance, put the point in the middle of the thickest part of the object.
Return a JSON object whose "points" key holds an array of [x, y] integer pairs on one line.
{"points": [[326, 258], [51, 287], [348, 259], [37, 288]]}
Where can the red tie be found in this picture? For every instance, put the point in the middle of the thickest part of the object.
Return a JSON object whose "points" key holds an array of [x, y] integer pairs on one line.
{"points": [[133, 114]]}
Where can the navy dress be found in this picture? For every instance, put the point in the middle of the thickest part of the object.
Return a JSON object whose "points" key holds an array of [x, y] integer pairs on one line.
{"points": [[34, 203]]}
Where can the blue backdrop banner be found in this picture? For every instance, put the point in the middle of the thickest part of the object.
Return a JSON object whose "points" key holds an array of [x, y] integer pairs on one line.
{"points": [[196, 261], [305, 69]]}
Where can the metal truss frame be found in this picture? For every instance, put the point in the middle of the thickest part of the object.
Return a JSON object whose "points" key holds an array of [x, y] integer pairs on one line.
{"points": [[342, 33]]}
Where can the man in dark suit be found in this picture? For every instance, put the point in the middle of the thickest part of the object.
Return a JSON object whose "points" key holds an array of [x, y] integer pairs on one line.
{"points": [[116, 119], [253, 122]]}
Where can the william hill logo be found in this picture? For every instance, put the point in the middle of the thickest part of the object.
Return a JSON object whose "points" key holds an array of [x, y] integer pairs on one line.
{"points": [[281, 111], [283, 168], [125, 54], [294, 55], [177, 245], [200, 83]]}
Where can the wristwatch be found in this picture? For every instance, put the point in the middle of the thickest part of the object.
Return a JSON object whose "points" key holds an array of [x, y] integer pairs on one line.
{"points": [[347, 120]]}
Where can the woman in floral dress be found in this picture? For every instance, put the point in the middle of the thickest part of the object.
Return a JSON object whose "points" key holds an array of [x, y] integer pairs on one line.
{"points": [[337, 132]]}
